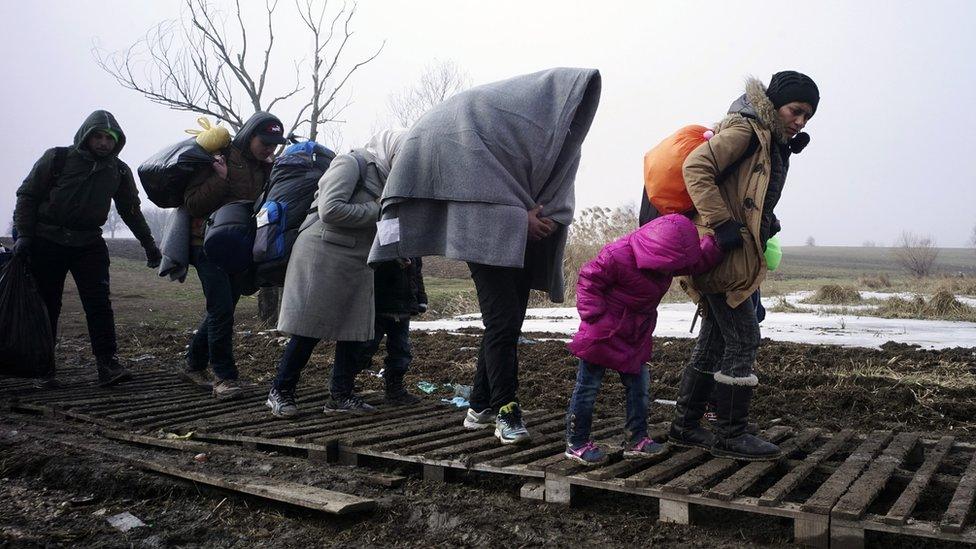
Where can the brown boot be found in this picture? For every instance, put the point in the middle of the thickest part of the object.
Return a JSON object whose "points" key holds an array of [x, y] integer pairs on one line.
{"points": [[227, 389]]}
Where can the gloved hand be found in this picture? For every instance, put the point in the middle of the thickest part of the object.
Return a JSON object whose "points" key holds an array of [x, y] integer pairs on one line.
{"points": [[22, 246], [775, 227], [153, 255], [727, 235], [421, 308]]}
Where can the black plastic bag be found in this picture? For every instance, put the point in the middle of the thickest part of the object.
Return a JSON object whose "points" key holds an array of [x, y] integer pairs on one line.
{"points": [[26, 342], [165, 175]]}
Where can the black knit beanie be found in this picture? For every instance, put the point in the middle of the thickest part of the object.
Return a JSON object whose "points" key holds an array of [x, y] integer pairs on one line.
{"points": [[788, 86]]}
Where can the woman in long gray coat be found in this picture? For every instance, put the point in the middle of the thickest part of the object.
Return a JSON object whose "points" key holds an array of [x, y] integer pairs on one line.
{"points": [[328, 292]]}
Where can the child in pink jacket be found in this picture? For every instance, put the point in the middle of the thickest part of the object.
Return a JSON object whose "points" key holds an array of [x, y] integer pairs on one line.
{"points": [[617, 297]]}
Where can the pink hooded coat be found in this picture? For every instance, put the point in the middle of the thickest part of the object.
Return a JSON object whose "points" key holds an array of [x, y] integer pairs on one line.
{"points": [[618, 292]]}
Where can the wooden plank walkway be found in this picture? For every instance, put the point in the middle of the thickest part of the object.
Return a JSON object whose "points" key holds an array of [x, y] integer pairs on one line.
{"points": [[834, 486]]}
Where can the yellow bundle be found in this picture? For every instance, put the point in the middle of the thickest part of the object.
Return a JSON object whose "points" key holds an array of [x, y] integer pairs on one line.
{"points": [[212, 138]]}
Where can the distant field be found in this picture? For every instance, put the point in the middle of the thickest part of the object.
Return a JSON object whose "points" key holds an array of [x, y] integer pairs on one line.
{"points": [[828, 261]]}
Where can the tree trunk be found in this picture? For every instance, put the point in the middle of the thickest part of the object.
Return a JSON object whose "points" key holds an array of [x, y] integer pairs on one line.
{"points": [[269, 300]]}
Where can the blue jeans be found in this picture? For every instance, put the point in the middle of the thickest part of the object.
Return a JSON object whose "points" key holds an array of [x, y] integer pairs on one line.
{"points": [[589, 378], [348, 363], [214, 341]]}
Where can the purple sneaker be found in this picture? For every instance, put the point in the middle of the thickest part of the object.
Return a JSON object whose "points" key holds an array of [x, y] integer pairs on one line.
{"points": [[643, 448], [587, 454]]}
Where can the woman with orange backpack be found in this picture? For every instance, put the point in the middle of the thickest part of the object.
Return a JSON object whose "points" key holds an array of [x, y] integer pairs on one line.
{"points": [[735, 178]]}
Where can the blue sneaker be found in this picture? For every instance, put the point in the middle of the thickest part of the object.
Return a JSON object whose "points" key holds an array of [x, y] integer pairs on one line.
{"points": [[587, 453], [643, 448], [509, 427]]}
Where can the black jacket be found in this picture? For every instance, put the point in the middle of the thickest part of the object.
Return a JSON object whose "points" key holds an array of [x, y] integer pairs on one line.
{"points": [[71, 208], [399, 290]]}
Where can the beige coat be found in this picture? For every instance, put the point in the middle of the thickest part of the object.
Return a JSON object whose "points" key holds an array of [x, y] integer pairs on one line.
{"points": [[740, 196]]}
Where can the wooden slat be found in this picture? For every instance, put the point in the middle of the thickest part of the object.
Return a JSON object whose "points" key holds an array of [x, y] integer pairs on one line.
{"points": [[670, 467], [473, 446], [748, 475], [775, 494], [962, 500], [900, 511], [865, 489], [823, 500]]}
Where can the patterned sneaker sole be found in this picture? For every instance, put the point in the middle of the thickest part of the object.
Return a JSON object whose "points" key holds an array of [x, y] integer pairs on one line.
{"points": [[516, 440], [229, 396], [745, 457], [578, 459], [644, 455]]}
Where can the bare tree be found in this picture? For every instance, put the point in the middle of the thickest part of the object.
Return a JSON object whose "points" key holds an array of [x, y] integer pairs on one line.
{"points": [[439, 81], [205, 63], [113, 221], [972, 237], [156, 219], [869, 244], [811, 241], [916, 254]]}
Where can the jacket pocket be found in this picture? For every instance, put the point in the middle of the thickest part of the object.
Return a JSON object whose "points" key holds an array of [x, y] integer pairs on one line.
{"points": [[339, 239]]}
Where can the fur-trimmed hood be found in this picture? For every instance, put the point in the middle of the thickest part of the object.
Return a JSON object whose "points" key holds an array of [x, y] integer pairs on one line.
{"points": [[755, 104]]}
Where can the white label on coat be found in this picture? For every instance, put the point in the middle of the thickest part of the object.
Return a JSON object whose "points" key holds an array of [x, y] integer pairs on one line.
{"points": [[388, 231], [262, 218]]}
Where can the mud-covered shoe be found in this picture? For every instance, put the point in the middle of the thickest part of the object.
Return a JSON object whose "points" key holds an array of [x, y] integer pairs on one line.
{"points": [[110, 372], [479, 420], [282, 403], [509, 427], [227, 389], [348, 403], [396, 394], [587, 453], [643, 448], [196, 376], [47, 382]]}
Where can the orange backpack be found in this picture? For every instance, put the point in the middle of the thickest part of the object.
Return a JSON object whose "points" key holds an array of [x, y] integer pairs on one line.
{"points": [[663, 179]]}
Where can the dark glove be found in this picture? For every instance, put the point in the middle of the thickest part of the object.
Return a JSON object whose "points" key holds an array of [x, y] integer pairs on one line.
{"points": [[774, 227], [153, 255], [727, 235], [22, 246]]}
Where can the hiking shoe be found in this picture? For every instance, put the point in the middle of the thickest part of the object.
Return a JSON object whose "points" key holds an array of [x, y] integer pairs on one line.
{"points": [[587, 454], [200, 377], [227, 389], [110, 372], [643, 448], [396, 394], [509, 427], [282, 403], [47, 382], [479, 420], [349, 403]]}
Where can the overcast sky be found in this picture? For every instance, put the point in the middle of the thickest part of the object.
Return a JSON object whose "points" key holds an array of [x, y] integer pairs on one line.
{"points": [[890, 146]]}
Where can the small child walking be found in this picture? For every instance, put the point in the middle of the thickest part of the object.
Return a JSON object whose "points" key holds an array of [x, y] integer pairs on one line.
{"points": [[617, 297]]}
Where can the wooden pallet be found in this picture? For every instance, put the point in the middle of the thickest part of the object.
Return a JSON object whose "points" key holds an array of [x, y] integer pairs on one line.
{"points": [[834, 486]]}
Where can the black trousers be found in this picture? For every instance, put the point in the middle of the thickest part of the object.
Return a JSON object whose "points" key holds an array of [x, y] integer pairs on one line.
{"points": [[503, 295], [50, 264]]}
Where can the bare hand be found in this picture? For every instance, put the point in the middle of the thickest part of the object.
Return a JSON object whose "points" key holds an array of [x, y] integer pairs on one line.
{"points": [[539, 227], [220, 166]]}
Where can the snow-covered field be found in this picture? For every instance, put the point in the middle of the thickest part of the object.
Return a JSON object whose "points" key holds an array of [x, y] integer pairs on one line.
{"points": [[815, 324]]}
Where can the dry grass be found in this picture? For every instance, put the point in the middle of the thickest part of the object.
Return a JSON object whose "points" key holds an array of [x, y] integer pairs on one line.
{"points": [[941, 306], [783, 306], [592, 229], [835, 294], [876, 282]]}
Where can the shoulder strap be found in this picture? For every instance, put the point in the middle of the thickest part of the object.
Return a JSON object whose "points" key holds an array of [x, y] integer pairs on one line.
{"points": [[750, 150], [58, 162], [361, 184]]}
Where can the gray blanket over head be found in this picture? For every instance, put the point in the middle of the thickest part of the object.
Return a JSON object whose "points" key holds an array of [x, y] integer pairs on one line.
{"points": [[470, 169]]}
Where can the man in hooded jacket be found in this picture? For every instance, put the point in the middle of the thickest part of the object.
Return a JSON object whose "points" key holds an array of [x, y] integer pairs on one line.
{"points": [[240, 172], [61, 207]]}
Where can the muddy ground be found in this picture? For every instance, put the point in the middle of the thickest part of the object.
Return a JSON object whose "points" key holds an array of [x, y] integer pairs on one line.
{"points": [[53, 495]]}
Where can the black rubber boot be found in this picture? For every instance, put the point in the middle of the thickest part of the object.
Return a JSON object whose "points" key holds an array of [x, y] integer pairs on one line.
{"points": [[395, 393], [732, 439], [110, 372], [686, 429]]}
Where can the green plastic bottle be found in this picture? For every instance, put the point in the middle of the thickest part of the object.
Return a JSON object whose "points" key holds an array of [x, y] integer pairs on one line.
{"points": [[774, 253]]}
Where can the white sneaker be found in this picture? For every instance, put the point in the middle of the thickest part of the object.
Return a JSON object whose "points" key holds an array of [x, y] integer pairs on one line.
{"points": [[282, 404], [479, 420]]}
